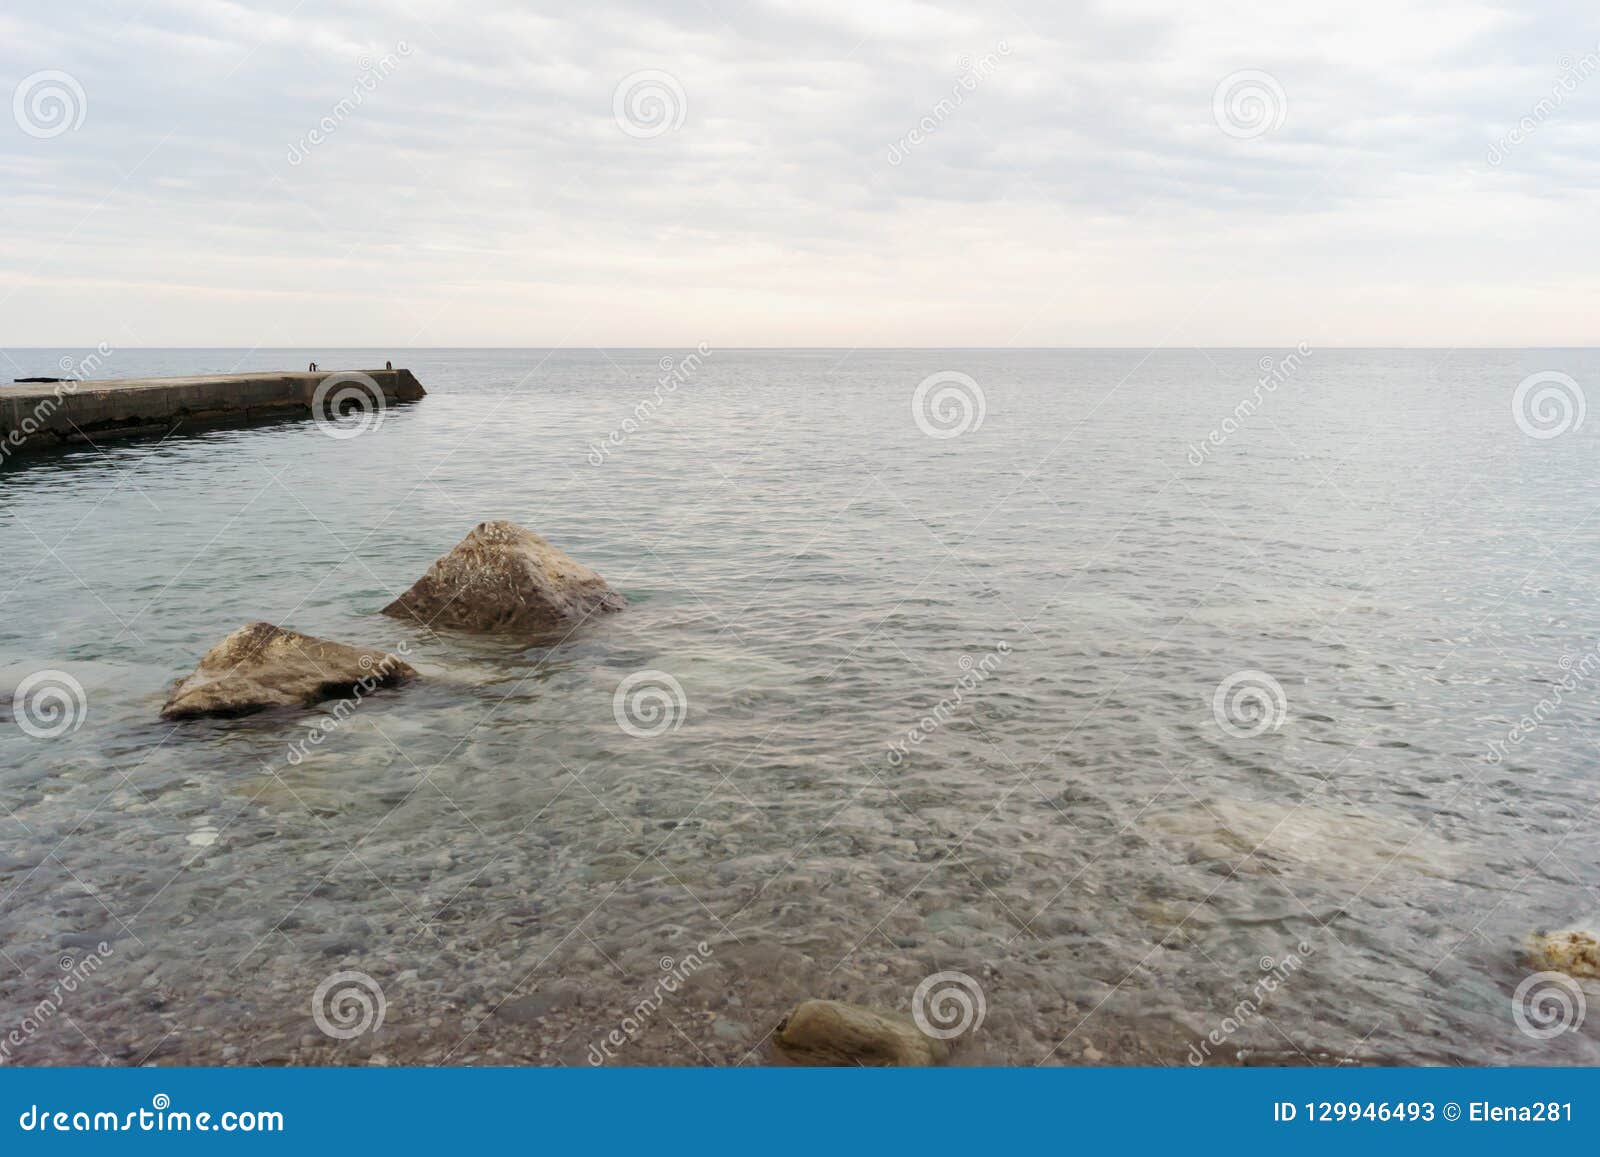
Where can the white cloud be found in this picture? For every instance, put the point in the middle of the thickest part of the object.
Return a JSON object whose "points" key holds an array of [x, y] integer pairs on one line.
{"points": [[1080, 192]]}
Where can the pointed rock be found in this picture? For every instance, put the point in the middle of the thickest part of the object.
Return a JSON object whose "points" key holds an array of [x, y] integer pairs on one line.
{"points": [[504, 578], [830, 1032], [262, 666]]}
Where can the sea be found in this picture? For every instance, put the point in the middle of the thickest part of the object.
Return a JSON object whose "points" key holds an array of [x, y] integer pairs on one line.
{"points": [[1160, 707]]}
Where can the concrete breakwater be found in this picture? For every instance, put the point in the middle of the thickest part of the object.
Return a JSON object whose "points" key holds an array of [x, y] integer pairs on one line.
{"points": [[40, 415]]}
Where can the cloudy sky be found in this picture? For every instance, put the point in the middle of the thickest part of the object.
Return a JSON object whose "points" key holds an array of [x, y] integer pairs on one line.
{"points": [[799, 172]]}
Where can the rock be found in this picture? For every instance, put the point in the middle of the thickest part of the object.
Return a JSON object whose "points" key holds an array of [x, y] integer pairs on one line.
{"points": [[504, 578], [829, 1032], [1241, 836], [1573, 951], [261, 666]]}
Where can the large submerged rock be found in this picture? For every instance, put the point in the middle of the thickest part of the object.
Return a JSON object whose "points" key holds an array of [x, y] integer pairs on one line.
{"points": [[261, 666], [830, 1032], [504, 578]]}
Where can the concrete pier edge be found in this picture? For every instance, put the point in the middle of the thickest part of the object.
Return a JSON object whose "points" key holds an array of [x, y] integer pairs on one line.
{"points": [[38, 416]]}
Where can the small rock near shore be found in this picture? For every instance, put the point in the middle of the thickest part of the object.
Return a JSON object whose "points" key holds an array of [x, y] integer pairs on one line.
{"points": [[261, 666], [503, 578], [830, 1032], [1572, 950]]}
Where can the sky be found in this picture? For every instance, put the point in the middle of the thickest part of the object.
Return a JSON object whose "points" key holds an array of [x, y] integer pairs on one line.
{"points": [[837, 173]]}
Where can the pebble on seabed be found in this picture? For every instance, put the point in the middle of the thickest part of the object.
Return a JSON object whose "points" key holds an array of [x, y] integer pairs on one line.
{"points": [[1571, 950]]}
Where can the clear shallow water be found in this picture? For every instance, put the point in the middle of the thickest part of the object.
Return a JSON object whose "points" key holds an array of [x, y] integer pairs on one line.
{"points": [[1078, 834]]}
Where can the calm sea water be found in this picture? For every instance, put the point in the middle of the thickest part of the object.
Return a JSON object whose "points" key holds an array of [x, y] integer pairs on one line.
{"points": [[1039, 611]]}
